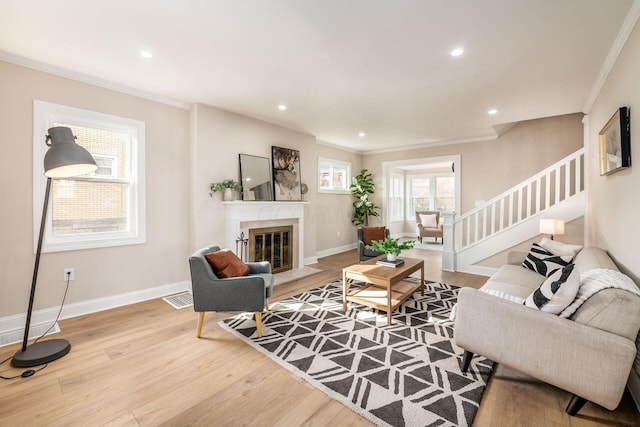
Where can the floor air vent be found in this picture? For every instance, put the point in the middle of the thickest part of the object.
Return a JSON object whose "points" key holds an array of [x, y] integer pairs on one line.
{"points": [[185, 299]]}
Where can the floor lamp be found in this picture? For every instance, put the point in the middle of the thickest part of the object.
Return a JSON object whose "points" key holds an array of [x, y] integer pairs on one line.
{"points": [[63, 159]]}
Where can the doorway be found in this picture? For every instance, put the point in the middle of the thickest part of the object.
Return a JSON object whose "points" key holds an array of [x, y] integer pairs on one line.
{"points": [[400, 197]]}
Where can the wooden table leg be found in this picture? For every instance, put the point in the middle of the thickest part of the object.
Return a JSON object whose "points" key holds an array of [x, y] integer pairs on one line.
{"points": [[389, 303], [345, 289], [422, 280]]}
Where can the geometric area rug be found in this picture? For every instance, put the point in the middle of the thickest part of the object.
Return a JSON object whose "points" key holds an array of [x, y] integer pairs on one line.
{"points": [[406, 374]]}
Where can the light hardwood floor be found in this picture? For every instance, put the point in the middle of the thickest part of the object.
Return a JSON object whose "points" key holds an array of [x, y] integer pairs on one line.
{"points": [[141, 365]]}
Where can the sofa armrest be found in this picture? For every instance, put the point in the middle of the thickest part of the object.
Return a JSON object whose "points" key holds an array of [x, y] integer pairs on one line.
{"points": [[580, 359]]}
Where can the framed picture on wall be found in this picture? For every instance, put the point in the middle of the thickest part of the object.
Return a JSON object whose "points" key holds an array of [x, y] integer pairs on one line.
{"points": [[286, 173], [615, 143]]}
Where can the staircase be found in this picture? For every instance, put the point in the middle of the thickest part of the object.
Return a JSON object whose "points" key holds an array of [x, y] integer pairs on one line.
{"points": [[513, 216]]}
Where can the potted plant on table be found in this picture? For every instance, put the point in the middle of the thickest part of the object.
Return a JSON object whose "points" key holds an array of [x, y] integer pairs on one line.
{"points": [[391, 247], [226, 187]]}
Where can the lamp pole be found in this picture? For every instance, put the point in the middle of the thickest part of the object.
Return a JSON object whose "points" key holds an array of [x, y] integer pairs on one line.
{"points": [[37, 264]]}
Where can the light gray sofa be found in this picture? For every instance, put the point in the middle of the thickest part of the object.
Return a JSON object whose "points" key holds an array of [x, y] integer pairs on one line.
{"points": [[591, 355]]}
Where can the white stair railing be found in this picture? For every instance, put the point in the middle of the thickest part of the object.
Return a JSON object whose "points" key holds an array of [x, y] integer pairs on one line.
{"points": [[547, 188]]}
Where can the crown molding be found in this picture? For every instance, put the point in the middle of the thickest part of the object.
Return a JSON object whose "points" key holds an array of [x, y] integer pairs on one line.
{"points": [[339, 147], [614, 52], [432, 144], [61, 72]]}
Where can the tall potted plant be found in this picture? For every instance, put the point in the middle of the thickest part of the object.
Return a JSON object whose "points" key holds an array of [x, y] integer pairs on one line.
{"points": [[361, 187]]}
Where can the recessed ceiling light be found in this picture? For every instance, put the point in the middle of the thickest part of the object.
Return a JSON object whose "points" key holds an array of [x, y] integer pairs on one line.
{"points": [[493, 111], [146, 54], [361, 134], [282, 107], [457, 52]]}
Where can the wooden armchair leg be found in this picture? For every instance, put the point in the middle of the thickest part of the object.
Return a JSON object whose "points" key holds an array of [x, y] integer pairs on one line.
{"points": [[266, 305], [200, 322], [259, 324]]}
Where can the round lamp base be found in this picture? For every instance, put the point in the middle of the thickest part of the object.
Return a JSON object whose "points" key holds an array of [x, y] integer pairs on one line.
{"points": [[40, 353]]}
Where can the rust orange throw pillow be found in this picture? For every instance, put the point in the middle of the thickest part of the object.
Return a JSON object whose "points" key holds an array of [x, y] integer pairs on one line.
{"points": [[226, 264], [372, 233]]}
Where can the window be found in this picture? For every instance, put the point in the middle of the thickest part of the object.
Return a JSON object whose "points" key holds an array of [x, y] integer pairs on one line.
{"points": [[334, 176], [445, 193], [419, 192], [104, 208], [430, 192], [396, 196]]}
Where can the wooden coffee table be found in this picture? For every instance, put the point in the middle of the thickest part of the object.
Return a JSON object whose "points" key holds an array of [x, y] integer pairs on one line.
{"points": [[385, 287]]}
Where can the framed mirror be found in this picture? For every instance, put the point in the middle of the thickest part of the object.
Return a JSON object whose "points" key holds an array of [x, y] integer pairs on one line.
{"points": [[255, 176]]}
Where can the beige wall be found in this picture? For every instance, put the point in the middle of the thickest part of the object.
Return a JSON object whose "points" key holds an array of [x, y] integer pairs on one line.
{"points": [[490, 167], [220, 136], [334, 211], [613, 204], [98, 272]]}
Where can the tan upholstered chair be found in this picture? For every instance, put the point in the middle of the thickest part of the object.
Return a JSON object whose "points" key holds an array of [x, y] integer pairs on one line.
{"points": [[428, 231]]}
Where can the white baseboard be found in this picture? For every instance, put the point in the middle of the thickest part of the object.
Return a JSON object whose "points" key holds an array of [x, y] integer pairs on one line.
{"points": [[311, 260], [12, 327], [337, 250], [477, 269]]}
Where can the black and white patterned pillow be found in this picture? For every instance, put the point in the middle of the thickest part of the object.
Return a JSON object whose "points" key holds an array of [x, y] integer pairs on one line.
{"points": [[557, 292], [544, 262]]}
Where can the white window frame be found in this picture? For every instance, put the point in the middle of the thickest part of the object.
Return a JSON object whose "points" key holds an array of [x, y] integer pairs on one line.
{"points": [[400, 178], [45, 114], [113, 167], [334, 164]]}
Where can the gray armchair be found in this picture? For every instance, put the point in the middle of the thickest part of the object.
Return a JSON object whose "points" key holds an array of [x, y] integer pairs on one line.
{"points": [[246, 293], [364, 253]]}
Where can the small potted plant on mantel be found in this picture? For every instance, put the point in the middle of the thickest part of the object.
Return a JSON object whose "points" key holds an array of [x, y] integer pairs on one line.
{"points": [[391, 247], [226, 187]]}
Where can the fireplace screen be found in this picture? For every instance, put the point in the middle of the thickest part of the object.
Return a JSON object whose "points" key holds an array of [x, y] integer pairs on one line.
{"points": [[273, 244]]}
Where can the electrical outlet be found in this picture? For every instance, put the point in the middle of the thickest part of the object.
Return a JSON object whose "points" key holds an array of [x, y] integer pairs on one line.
{"points": [[338, 233], [70, 273]]}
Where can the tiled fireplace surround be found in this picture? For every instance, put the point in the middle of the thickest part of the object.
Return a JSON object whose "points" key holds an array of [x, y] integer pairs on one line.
{"points": [[242, 216]]}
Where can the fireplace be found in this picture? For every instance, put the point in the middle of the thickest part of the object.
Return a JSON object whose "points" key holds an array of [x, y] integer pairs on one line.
{"points": [[242, 216], [272, 244]]}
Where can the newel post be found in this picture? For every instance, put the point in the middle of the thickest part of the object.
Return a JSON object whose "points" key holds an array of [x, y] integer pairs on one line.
{"points": [[448, 250]]}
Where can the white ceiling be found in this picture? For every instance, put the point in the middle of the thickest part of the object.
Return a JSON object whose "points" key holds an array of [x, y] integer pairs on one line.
{"points": [[341, 66]]}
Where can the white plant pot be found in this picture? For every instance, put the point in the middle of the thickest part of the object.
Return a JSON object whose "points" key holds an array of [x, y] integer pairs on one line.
{"points": [[227, 195], [392, 257]]}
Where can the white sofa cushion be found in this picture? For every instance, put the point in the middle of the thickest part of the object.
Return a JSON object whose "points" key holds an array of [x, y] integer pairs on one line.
{"points": [[557, 292], [514, 280], [559, 248]]}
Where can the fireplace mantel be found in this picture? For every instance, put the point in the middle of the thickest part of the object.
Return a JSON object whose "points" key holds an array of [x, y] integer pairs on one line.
{"points": [[238, 212]]}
